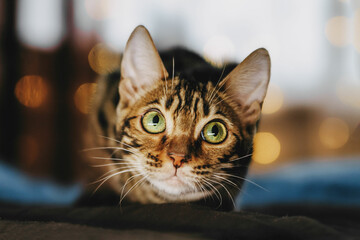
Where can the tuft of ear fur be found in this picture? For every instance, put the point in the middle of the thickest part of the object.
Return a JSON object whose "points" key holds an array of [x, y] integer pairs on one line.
{"points": [[247, 84], [141, 66]]}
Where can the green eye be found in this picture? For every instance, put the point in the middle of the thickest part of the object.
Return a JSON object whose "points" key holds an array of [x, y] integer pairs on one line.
{"points": [[214, 132], [153, 122]]}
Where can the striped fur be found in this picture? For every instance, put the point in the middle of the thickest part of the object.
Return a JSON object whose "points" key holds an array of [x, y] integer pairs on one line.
{"points": [[141, 169]]}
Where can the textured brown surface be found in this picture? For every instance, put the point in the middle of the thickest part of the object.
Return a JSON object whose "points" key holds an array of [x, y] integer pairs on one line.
{"points": [[161, 221]]}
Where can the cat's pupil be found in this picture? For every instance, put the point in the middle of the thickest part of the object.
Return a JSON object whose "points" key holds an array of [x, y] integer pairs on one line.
{"points": [[214, 130], [156, 120]]}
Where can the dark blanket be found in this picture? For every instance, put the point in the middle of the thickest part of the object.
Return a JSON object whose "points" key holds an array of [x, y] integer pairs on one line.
{"points": [[178, 221]]}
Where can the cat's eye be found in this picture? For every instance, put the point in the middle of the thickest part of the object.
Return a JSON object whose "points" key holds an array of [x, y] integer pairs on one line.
{"points": [[153, 122], [214, 132]]}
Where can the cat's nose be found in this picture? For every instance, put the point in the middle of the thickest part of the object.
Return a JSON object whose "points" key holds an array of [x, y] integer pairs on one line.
{"points": [[178, 159]]}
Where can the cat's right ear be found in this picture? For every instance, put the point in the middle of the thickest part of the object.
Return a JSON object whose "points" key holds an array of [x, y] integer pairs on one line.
{"points": [[247, 84], [141, 66]]}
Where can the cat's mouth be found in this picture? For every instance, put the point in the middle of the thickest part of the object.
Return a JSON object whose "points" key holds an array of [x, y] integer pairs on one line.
{"points": [[174, 185]]}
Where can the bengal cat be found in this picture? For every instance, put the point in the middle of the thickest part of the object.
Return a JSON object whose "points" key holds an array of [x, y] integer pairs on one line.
{"points": [[186, 136]]}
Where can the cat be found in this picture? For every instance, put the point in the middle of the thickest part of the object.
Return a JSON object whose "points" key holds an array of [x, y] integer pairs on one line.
{"points": [[186, 136]]}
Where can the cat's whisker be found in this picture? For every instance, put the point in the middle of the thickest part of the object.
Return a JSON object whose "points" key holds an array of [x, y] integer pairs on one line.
{"points": [[219, 183], [244, 179], [213, 91], [128, 181], [199, 187], [117, 141], [217, 193], [112, 139], [242, 157], [222, 83], [109, 138], [107, 178], [112, 164], [223, 99], [113, 159], [165, 83], [233, 160], [106, 175], [103, 176], [209, 191], [173, 74], [227, 180], [136, 184], [105, 148], [232, 166], [118, 160]]}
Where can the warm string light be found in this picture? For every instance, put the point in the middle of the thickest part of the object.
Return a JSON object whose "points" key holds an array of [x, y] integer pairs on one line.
{"points": [[83, 97], [102, 60], [339, 32], [349, 95], [266, 148], [333, 133], [31, 91]]}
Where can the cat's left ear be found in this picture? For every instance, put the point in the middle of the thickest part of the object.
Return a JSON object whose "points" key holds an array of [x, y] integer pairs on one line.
{"points": [[141, 66], [247, 84]]}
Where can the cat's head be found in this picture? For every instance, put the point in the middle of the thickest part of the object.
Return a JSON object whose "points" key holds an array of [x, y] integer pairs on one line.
{"points": [[187, 139]]}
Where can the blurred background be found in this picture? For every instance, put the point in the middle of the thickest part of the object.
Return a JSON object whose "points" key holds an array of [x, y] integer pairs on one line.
{"points": [[52, 50]]}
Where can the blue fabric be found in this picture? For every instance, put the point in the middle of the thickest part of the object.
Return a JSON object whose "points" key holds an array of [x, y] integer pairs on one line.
{"points": [[17, 187], [335, 182], [332, 182]]}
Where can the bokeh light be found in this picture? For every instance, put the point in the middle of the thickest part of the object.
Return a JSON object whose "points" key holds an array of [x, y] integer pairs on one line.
{"points": [[31, 91], [99, 9], [349, 95], [102, 60], [337, 31], [266, 148], [333, 133], [83, 97], [274, 99], [218, 50], [356, 39]]}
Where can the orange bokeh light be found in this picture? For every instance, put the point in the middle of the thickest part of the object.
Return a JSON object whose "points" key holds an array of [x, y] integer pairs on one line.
{"points": [[83, 97], [103, 60], [334, 133], [337, 31], [266, 148], [31, 91]]}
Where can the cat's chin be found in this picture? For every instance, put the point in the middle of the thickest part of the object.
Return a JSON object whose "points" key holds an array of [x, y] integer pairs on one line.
{"points": [[174, 188]]}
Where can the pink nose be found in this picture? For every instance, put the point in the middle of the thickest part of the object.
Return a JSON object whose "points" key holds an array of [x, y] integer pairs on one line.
{"points": [[178, 159]]}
